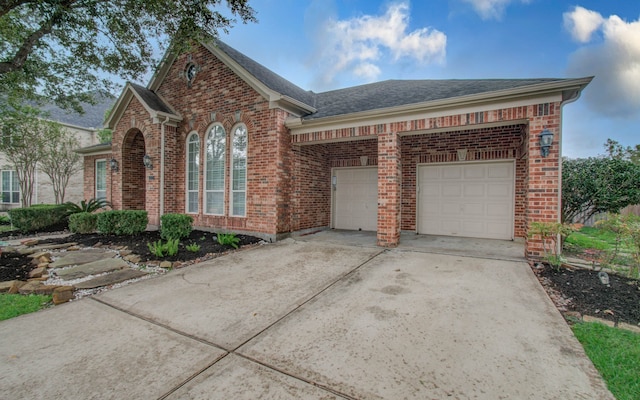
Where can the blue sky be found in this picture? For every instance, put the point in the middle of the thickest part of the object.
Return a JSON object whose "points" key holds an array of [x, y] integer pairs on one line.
{"points": [[328, 44]]}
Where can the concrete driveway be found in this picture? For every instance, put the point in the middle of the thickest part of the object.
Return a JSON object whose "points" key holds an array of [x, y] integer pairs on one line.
{"points": [[306, 319]]}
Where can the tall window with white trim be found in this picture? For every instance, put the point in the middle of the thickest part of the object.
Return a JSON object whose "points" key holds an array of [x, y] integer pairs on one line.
{"points": [[10, 187], [239, 171], [101, 179], [214, 170], [193, 162]]}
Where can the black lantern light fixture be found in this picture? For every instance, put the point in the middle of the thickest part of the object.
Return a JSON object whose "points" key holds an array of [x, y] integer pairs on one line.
{"points": [[546, 140], [146, 160], [114, 164]]}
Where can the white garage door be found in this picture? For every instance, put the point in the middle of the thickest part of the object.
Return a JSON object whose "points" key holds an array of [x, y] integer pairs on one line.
{"points": [[356, 199], [471, 200]]}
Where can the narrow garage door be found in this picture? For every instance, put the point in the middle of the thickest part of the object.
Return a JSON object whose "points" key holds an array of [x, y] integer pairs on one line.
{"points": [[356, 199], [471, 200]]}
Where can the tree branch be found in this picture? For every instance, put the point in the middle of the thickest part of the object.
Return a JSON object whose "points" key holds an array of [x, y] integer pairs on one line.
{"points": [[27, 47]]}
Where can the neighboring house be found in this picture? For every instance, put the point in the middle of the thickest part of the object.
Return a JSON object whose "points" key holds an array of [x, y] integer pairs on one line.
{"points": [[84, 128], [242, 149]]}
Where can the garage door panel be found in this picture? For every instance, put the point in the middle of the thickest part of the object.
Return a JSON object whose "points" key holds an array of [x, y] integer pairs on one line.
{"points": [[474, 190], [451, 173], [473, 210], [451, 190], [474, 200], [499, 189], [356, 199], [498, 171], [473, 173]]}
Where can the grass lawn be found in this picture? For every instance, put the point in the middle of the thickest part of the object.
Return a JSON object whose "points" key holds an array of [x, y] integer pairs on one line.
{"points": [[592, 238], [12, 305], [5, 228], [615, 354]]}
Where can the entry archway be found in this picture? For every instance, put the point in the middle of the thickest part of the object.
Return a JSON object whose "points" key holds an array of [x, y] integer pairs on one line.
{"points": [[133, 171]]}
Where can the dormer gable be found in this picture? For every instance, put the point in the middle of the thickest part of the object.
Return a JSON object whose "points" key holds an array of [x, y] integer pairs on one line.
{"points": [[156, 106]]}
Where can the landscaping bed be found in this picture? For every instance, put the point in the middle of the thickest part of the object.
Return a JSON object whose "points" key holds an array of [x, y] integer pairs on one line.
{"points": [[580, 290]]}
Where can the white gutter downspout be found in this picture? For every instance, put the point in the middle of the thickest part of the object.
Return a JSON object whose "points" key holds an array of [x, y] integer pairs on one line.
{"points": [[161, 208]]}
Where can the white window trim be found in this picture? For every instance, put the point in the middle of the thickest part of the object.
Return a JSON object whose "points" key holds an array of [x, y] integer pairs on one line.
{"points": [[14, 174], [95, 186], [206, 170], [186, 183], [246, 168]]}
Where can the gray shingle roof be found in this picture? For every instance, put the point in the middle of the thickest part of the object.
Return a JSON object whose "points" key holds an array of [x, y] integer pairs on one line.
{"points": [[93, 116], [374, 96], [393, 93], [151, 99], [266, 76]]}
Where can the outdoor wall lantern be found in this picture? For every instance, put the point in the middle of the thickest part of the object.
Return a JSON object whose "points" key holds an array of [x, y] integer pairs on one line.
{"points": [[114, 165], [146, 160], [546, 139]]}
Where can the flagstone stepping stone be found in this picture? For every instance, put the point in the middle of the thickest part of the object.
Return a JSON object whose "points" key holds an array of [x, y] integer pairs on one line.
{"points": [[82, 257], [43, 247], [92, 268], [110, 279]]}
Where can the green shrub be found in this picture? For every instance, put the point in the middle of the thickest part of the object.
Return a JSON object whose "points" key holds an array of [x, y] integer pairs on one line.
{"points": [[87, 206], [175, 226], [122, 222], [168, 249], [83, 222], [5, 220], [229, 239], [193, 247], [38, 216]]}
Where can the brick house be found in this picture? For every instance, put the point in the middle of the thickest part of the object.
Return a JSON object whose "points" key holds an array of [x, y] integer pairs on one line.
{"points": [[242, 149], [84, 128]]}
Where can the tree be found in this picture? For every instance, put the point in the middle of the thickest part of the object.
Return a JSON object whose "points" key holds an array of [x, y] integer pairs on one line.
{"points": [[60, 162], [61, 50], [24, 139], [105, 134], [616, 150], [598, 184]]}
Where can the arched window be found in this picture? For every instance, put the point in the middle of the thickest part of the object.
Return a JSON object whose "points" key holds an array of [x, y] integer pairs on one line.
{"points": [[239, 171], [193, 162], [215, 146]]}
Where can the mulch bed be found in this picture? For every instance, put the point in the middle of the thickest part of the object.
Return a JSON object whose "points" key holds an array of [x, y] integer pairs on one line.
{"points": [[581, 290], [13, 266]]}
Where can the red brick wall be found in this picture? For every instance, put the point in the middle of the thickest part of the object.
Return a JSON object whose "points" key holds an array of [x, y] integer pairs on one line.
{"points": [[89, 170], [216, 89], [133, 174], [542, 202], [389, 189], [311, 184]]}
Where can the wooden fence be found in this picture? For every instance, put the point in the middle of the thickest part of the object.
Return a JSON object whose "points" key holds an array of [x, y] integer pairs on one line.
{"points": [[635, 210]]}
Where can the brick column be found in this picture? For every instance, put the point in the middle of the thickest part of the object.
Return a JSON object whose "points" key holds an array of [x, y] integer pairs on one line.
{"points": [[543, 186], [389, 189]]}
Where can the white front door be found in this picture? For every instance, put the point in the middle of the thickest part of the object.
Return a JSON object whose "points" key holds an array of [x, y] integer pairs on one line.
{"points": [[466, 199], [355, 198]]}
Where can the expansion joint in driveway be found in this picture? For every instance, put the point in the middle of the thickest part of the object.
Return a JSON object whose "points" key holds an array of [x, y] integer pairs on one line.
{"points": [[234, 350]]}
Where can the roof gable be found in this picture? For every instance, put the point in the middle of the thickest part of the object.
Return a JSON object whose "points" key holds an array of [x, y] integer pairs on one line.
{"points": [[157, 108]]}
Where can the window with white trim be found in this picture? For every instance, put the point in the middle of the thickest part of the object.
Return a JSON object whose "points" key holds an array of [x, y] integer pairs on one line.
{"points": [[101, 179], [239, 171], [193, 162], [10, 187], [215, 151]]}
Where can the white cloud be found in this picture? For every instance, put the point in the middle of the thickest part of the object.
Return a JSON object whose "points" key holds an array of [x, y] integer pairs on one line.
{"points": [[359, 44], [488, 9], [615, 62], [582, 23]]}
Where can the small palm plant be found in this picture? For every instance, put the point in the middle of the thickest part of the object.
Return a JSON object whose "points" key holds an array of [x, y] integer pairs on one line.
{"points": [[87, 206]]}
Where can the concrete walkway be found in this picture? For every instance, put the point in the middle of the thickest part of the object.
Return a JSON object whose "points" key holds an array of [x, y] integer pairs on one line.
{"points": [[310, 320]]}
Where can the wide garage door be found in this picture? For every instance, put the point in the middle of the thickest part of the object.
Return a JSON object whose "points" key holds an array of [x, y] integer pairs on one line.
{"points": [[470, 199], [356, 199]]}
